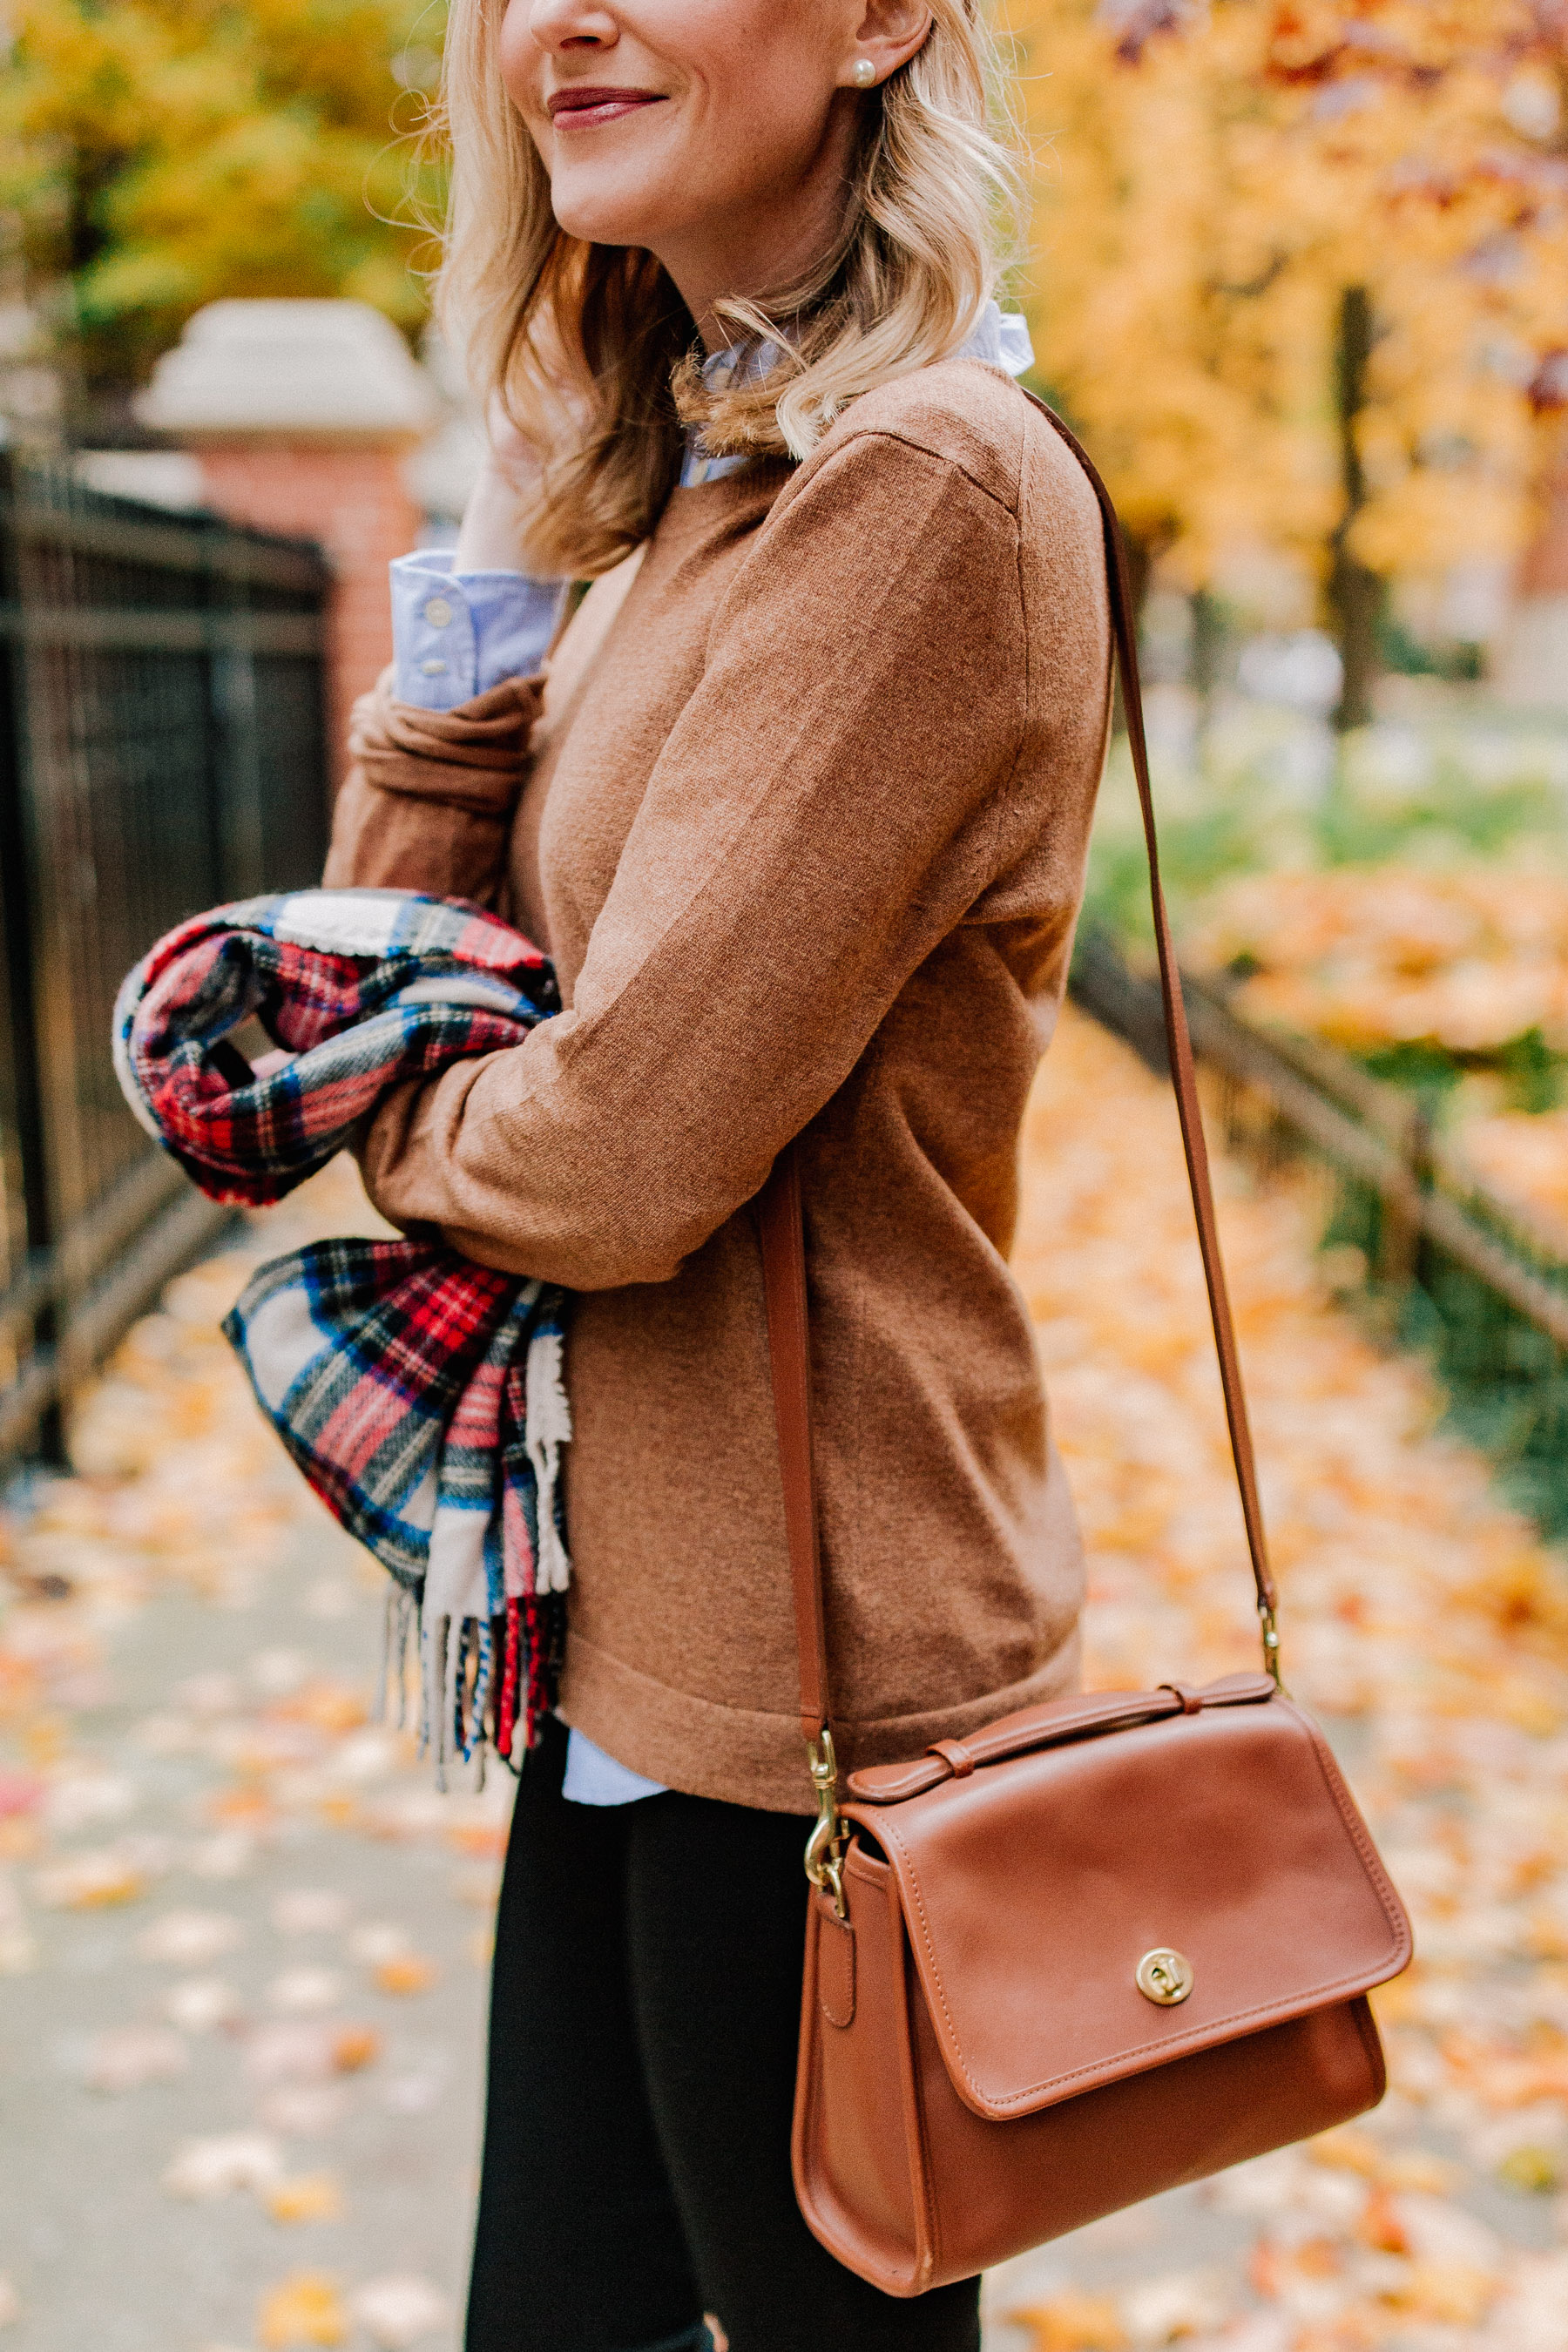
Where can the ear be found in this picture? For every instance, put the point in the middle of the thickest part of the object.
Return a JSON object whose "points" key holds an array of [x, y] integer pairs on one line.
{"points": [[889, 34]]}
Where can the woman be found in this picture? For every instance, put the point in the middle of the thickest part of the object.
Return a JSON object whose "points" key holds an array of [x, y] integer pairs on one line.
{"points": [[802, 820]]}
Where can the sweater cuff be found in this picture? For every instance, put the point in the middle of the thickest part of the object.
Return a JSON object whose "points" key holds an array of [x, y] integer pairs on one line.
{"points": [[473, 758]]}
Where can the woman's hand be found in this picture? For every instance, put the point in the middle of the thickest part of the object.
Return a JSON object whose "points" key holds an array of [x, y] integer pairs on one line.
{"points": [[492, 534]]}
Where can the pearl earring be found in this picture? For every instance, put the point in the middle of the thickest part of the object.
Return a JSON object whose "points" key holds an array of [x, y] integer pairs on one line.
{"points": [[865, 73]]}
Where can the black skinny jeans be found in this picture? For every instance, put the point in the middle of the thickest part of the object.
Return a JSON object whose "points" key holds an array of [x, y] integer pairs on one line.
{"points": [[644, 2015]]}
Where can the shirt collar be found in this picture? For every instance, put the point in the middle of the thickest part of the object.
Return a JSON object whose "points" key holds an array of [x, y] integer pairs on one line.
{"points": [[1001, 337]]}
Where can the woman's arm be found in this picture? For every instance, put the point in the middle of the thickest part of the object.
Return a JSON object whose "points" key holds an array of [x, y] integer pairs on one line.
{"points": [[427, 802], [830, 805]]}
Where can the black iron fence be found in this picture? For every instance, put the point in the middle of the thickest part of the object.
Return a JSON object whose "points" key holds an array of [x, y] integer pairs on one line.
{"points": [[162, 749]]}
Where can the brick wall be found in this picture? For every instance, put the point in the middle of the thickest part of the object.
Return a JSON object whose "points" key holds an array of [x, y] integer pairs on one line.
{"points": [[354, 501]]}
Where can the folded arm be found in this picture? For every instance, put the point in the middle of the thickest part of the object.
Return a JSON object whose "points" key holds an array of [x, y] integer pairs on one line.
{"points": [[830, 803], [439, 747]]}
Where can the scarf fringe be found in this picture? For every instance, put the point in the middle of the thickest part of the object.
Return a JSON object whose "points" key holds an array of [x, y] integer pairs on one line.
{"points": [[547, 1429], [400, 1621], [465, 1705]]}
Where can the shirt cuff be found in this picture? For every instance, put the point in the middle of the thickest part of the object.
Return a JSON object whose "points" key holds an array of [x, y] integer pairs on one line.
{"points": [[458, 634]]}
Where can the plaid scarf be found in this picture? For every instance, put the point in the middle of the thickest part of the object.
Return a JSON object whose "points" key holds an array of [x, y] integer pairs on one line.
{"points": [[420, 1394]]}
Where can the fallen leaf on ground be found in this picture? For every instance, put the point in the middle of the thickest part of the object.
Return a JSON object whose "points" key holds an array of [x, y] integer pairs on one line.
{"points": [[408, 1973], [298, 1990], [377, 1940], [312, 2197], [125, 2056], [1160, 2311], [189, 1939], [205, 2169], [355, 2047], [396, 2311], [20, 1793], [1450, 2294], [311, 1911], [305, 2309], [200, 2003], [1074, 2323], [304, 2110], [90, 1882]]}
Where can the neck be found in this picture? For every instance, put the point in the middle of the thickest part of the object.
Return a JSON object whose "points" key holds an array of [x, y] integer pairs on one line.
{"points": [[762, 255]]}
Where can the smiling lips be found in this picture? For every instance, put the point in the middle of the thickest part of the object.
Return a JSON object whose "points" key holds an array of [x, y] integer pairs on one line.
{"points": [[582, 105]]}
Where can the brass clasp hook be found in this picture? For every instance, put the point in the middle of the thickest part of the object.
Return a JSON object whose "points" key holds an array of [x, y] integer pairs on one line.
{"points": [[825, 1846]]}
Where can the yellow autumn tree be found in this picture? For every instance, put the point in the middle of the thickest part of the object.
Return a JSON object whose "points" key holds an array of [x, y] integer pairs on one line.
{"points": [[155, 154], [1212, 182]]}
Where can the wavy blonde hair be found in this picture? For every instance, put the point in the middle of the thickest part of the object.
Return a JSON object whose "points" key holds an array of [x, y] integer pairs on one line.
{"points": [[591, 348]]}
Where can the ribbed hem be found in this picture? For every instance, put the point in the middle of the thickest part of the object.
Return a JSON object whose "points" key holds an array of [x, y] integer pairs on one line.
{"points": [[745, 1758]]}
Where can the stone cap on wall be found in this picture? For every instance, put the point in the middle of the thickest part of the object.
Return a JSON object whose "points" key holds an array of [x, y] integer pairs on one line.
{"points": [[318, 371]]}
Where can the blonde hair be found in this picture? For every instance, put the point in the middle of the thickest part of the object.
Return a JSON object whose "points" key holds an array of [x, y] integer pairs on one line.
{"points": [[589, 346]]}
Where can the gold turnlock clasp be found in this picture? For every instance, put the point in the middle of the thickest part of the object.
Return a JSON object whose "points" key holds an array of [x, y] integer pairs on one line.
{"points": [[1270, 1642], [825, 1846]]}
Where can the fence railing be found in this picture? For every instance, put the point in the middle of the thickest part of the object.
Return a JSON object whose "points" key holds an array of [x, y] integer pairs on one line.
{"points": [[162, 749], [1466, 1275]]}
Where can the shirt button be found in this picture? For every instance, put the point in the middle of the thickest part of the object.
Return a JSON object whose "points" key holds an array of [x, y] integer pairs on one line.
{"points": [[432, 670], [437, 612]]}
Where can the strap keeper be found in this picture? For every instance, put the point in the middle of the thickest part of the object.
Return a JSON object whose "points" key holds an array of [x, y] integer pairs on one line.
{"points": [[960, 1759], [1192, 1700]]}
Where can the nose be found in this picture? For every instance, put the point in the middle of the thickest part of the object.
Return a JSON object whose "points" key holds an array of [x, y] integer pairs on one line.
{"points": [[560, 25]]}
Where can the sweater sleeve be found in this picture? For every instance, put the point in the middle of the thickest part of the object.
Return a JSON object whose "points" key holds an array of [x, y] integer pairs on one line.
{"points": [[831, 801], [428, 798]]}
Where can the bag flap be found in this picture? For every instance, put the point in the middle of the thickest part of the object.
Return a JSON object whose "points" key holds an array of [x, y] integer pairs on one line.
{"points": [[1035, 1890]]}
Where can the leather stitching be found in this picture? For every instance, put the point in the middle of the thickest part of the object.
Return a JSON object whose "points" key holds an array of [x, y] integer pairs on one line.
{"points": [[1371, 1862], [1091, 1726], [840, 2011], [1314, 1997], [925, 2184]]}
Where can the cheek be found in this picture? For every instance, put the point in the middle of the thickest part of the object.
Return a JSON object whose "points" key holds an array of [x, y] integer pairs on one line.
{"points": [[777, 90], [521, 63]]}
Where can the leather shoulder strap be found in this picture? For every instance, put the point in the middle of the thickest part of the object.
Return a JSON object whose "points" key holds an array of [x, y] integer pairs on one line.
{"points": [[783, 1236]]}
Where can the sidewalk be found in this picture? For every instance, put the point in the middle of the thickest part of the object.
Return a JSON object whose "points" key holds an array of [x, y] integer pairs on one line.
{"points": [[1428, 1629], [239, 2046], [243, 1941]]}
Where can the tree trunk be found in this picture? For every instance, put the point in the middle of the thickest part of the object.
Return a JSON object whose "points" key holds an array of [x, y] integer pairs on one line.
{"points": [[1355, 594]]}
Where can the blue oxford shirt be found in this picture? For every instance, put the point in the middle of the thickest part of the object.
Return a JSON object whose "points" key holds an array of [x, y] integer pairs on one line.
{"points": [[456, 635]]}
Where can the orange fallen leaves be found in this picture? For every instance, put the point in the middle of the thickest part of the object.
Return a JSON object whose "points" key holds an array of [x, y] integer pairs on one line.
{"points": [[312, 2197], [1447, 2294], [484, 1841], [329, 1706], [90, 1882], [355, 2047], [1074, 2323], [246, 1806], [405, 1973], [305, 2309], [1375, 956], [1418, 1611]]}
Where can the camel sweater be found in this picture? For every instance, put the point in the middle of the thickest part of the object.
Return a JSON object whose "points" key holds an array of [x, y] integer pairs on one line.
{"points": [[800, 813]]}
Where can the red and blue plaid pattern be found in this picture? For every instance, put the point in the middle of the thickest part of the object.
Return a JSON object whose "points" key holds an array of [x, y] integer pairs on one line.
{"points": [[419, 1393]]}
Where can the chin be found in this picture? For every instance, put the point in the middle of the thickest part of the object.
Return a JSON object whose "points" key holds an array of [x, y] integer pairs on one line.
{"points": [[601, 215]]}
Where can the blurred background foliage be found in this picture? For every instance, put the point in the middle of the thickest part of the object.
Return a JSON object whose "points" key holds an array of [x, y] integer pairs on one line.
{"points": [[1297, 265], [157, 154], [1298, 270]]}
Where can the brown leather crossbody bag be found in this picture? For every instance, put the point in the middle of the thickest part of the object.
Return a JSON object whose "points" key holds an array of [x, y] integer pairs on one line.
{"points": [[1104, 1946]]}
